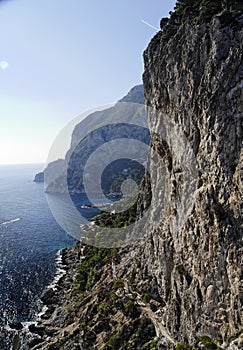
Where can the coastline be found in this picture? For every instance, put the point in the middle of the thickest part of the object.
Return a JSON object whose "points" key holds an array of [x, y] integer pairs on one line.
{"points": [[61, 269], [65, 273], [32, 334], [54, 298]]}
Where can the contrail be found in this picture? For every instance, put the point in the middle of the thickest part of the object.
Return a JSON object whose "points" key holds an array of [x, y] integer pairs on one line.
{"points": [[150, 25]]}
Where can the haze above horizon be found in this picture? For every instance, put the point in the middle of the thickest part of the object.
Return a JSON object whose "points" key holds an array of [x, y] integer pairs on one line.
{"points": [[59, 59]]}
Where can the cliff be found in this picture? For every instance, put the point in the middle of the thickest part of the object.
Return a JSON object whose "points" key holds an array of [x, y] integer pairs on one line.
{"points": [[180, 287], [193, 80], [65, 176]]}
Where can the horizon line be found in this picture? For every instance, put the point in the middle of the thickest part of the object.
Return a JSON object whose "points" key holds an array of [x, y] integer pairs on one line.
{"points": [[28, 163]]}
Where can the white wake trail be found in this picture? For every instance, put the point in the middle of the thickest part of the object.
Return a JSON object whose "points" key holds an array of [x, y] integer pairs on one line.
{"points": [[10, 221]]}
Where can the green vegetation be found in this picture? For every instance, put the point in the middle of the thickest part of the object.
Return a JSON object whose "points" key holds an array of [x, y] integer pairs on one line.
{"points": [[93, 277], [200, 11], [132, 276], [209, 8], [205, 9], [134, 335], [235, 335], [111, 226], [130, 308], [119, 283], [146, 298], [90, 270], [121, 218], [181, 346], [104, 307], [208, 342]]}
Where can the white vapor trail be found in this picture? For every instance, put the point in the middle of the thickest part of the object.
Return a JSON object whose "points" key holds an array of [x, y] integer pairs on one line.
{"points": [[150, 25]]}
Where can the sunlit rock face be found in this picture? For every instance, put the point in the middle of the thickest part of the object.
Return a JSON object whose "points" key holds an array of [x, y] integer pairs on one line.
{"points": [[193, 257]]}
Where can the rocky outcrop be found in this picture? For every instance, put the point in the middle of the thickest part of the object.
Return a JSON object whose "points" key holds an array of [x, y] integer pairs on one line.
{"points": [[39, 177], [50, 172]]}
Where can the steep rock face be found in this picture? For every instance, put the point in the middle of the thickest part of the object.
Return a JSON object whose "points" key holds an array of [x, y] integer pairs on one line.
{"points": [[91, 133], [94, 140], [193, 84]]}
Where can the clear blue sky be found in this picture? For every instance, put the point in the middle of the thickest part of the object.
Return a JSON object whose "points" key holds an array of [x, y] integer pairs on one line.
{"points": [[59, 58]]}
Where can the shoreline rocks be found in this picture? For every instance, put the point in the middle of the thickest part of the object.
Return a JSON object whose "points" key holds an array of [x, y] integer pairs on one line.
{"points": [[35, 335], [16, 325]]}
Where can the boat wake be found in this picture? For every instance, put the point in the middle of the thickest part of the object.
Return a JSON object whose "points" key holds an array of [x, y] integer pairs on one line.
{"points": [[10, 221]]}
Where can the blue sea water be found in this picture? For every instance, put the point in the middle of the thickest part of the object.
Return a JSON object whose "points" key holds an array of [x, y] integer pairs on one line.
{"points": [[29, 241]]}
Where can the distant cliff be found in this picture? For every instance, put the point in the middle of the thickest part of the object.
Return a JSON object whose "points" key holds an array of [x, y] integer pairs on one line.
{"points": [[52, 169], [88, 135]]}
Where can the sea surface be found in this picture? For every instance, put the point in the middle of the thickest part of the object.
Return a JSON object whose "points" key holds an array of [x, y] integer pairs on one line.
{"points": [[29, 241]]}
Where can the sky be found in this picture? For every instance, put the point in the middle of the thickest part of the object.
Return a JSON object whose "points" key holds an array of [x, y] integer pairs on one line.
{"points": [[60, 58]]}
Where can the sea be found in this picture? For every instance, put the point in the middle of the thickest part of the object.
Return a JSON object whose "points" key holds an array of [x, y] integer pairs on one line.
{"points": [[30, 241]]}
